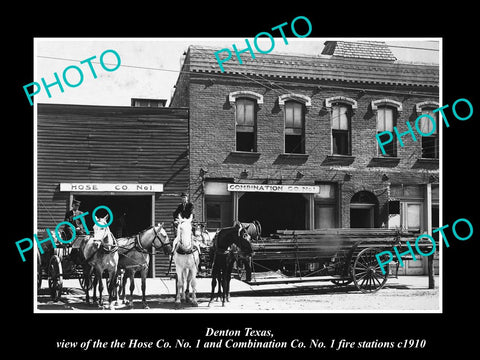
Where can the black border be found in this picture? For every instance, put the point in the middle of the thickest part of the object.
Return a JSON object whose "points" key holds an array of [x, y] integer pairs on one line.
{"points": [[449, 330]]}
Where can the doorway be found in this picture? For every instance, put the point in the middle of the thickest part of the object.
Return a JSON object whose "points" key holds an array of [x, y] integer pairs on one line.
{"points": [[274, 211], [364, 210], [361, 216], [131, 213]]}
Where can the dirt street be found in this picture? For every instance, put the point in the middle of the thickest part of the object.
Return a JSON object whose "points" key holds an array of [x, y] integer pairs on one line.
{"points": [[399, 295]]}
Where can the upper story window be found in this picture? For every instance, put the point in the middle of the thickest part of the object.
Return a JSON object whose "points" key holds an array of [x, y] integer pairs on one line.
{"points": [[429, 125], [341, 113], [387, 112], [246, 104], [386, 122], [245, 125], [294, 128]]}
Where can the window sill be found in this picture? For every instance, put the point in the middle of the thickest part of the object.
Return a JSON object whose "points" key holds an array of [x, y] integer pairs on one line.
{"points": [[297, 155], [384, 162], [341, 160], [242, 157], [426, 163], [249, 154], [291, 158]]}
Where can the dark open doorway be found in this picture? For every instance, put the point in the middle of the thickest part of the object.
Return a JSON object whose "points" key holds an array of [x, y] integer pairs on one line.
{"points": [[131, 214], [364, 210], [274, 211]]}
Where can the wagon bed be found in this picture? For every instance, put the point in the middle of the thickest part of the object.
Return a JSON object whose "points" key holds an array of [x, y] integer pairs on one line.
{"points": [[341, 256]]}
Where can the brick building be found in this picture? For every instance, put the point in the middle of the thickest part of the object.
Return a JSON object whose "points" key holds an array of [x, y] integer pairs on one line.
{"points": [[289, 140]]}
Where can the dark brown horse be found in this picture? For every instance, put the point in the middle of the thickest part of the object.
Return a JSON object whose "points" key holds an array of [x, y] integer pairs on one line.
{"points": [[135, 255], [220, 253]]}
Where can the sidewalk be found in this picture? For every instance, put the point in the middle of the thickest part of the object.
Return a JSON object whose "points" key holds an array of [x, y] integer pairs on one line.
{"points": [[166, 286]]}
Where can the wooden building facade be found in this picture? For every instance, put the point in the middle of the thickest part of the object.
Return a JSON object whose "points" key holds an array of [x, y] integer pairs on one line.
{"points": [[133, 160]]}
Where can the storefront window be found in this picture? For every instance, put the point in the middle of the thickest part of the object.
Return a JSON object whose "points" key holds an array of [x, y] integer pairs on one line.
{"points": [[325, 210]]}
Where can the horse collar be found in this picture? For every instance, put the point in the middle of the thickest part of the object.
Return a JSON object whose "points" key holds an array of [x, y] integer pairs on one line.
{"points": [[138, 244], [182, 251]]}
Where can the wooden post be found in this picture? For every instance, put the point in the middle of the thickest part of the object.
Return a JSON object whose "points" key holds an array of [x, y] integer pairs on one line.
{"points": [[152, 265], [428, 198]]}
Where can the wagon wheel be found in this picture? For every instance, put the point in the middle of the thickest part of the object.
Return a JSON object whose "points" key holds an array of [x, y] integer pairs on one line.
{"points": [[55, 277], [81, 280], [366, 272], [39, 271]]}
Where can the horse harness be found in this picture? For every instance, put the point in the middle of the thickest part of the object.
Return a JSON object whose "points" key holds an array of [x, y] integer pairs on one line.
{"points": [[137, 245], [104, 248]]}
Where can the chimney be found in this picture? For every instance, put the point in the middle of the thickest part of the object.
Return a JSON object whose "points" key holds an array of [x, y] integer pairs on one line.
{"points": [[374, 50]]}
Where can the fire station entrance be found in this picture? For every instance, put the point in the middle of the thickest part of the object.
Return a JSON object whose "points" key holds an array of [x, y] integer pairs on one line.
{"points": [[131, 213], [275, 211]]}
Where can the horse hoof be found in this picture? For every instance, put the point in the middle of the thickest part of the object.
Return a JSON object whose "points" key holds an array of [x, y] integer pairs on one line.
{"points": [[145, 306]]}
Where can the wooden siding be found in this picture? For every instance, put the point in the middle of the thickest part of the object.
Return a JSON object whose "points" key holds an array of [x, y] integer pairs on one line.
{"points": [[106, 144]]}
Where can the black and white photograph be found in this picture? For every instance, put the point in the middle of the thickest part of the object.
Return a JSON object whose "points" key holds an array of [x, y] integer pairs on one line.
{"points": [[231, 182], [229, 175]]}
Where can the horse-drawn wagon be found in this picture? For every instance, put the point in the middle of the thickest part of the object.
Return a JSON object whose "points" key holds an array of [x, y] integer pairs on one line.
{"points": [[59, 263], [341, 256]]}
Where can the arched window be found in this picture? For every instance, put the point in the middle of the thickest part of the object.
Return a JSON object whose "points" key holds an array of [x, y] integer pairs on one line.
{"points": [[387, 113], [294, 119], [430, 143], [294, 127], [246, 104], [341, 111], [245, 125]]}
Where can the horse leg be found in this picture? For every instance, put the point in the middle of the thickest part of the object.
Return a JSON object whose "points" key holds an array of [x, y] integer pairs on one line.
{"points": [[228, 287], [111, 290], [179, 287], [94, 286], [224, 286], [214, 283], [132, 287], [122, 287], [193, 281], [100, 287], [184, 285], [228, 277], [87, 275], [220, 284], [120, 276], [144, 287]]}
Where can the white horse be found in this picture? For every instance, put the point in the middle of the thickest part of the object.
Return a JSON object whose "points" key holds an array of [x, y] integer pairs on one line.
{"points": [[100, 253], [186, 256]]}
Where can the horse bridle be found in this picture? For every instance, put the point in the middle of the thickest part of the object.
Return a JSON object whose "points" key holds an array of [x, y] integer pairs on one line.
{"points": [[246, 236], [139, 244]]}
